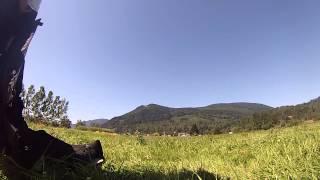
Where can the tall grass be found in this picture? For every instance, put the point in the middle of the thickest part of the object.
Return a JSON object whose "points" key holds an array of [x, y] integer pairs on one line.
{"points": [[289, 153], [94, 129]]}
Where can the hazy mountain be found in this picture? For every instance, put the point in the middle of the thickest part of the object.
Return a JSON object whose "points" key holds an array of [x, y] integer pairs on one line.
{"points": [[157, 118], [96, 121]]}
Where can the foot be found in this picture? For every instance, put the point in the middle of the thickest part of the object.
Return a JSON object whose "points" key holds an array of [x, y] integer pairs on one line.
{"points": [[40, 145], [89, 153]]}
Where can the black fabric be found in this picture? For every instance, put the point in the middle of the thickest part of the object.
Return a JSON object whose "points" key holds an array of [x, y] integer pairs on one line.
{"points": [[40, 144], [8, 14], [15, 30], [23, 145], [11, 75], [89, 153], [14, 67]]}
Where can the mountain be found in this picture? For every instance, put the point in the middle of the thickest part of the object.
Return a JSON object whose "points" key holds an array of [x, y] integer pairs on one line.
{"points": [[156, 118], [96, 121]]}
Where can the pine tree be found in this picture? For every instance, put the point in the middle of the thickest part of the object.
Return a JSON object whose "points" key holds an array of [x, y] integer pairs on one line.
{"points": [[37, 102], [194, 130], [47, 105], [28, 101], [55, 109], [45, 108]]}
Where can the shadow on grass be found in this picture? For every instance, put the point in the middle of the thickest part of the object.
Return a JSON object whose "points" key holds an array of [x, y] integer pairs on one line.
{"points": [[61, 172], [201, 174]]}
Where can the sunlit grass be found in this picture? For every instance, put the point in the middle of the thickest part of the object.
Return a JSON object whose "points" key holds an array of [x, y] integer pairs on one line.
{"points": [[278, 153]]}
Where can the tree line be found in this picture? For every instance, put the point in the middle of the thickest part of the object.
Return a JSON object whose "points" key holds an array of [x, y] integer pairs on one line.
{"points": [[43, 107]]}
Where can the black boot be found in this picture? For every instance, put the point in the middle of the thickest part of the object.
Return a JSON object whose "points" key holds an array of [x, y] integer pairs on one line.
{"points": [[36, 145], [89, 153]]}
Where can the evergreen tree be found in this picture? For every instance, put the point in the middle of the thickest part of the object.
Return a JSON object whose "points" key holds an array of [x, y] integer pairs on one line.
{"points": [[45, 108], [37, 102], [54, 109], [194, 130], [27, 99]]}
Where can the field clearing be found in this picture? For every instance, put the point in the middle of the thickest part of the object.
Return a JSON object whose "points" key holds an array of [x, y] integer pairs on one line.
{"points": [[273, 154]]}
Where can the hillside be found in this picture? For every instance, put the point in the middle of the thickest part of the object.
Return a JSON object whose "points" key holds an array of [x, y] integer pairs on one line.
{"points": [[283, 116], [153, 118], [96, 121]]}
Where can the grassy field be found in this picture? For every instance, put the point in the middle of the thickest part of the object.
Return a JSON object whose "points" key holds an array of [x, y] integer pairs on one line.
{"points": [[274, 154]]}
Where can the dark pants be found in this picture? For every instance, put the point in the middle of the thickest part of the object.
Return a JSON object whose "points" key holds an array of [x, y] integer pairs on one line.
{"points": [[15, 30], [17, 141], [8, 12]]}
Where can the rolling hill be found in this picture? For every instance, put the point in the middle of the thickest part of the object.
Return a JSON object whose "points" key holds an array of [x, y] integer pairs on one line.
{"points": [[96, 121], [214, 118]]}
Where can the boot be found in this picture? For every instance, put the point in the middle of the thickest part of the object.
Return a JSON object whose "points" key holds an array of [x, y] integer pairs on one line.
{"points": [[38, 145], [89, 153]]}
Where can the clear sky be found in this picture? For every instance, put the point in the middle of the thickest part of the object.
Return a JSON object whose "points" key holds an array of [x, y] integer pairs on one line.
{"points": [[109, 56]]}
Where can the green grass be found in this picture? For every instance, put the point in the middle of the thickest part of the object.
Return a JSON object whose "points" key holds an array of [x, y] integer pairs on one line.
{"points": [[94, 129], [274, 154]]}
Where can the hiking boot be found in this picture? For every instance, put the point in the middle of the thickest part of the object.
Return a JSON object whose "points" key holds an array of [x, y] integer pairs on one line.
{"points": [[89, 153], [31, 146], [39, 145]]}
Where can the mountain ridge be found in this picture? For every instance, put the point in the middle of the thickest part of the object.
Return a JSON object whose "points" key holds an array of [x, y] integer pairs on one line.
{"points": [[153, 117]]}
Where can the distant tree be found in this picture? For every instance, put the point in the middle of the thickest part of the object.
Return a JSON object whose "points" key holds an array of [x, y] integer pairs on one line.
{"points": [[194, 130], [65, 122], [217, 131], [80, 123], [95, 125]]}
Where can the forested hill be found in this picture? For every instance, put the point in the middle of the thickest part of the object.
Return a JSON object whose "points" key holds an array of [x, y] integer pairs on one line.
{"points": [[95, 122], [214, 118], [283, 116]]}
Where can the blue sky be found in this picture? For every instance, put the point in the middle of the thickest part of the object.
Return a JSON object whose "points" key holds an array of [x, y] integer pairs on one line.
{"points": [[108, 56]]}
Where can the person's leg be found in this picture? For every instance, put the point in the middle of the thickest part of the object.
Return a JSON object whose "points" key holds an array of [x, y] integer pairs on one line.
{"points": [[13, 36], [23, 145], [8, 11]]}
